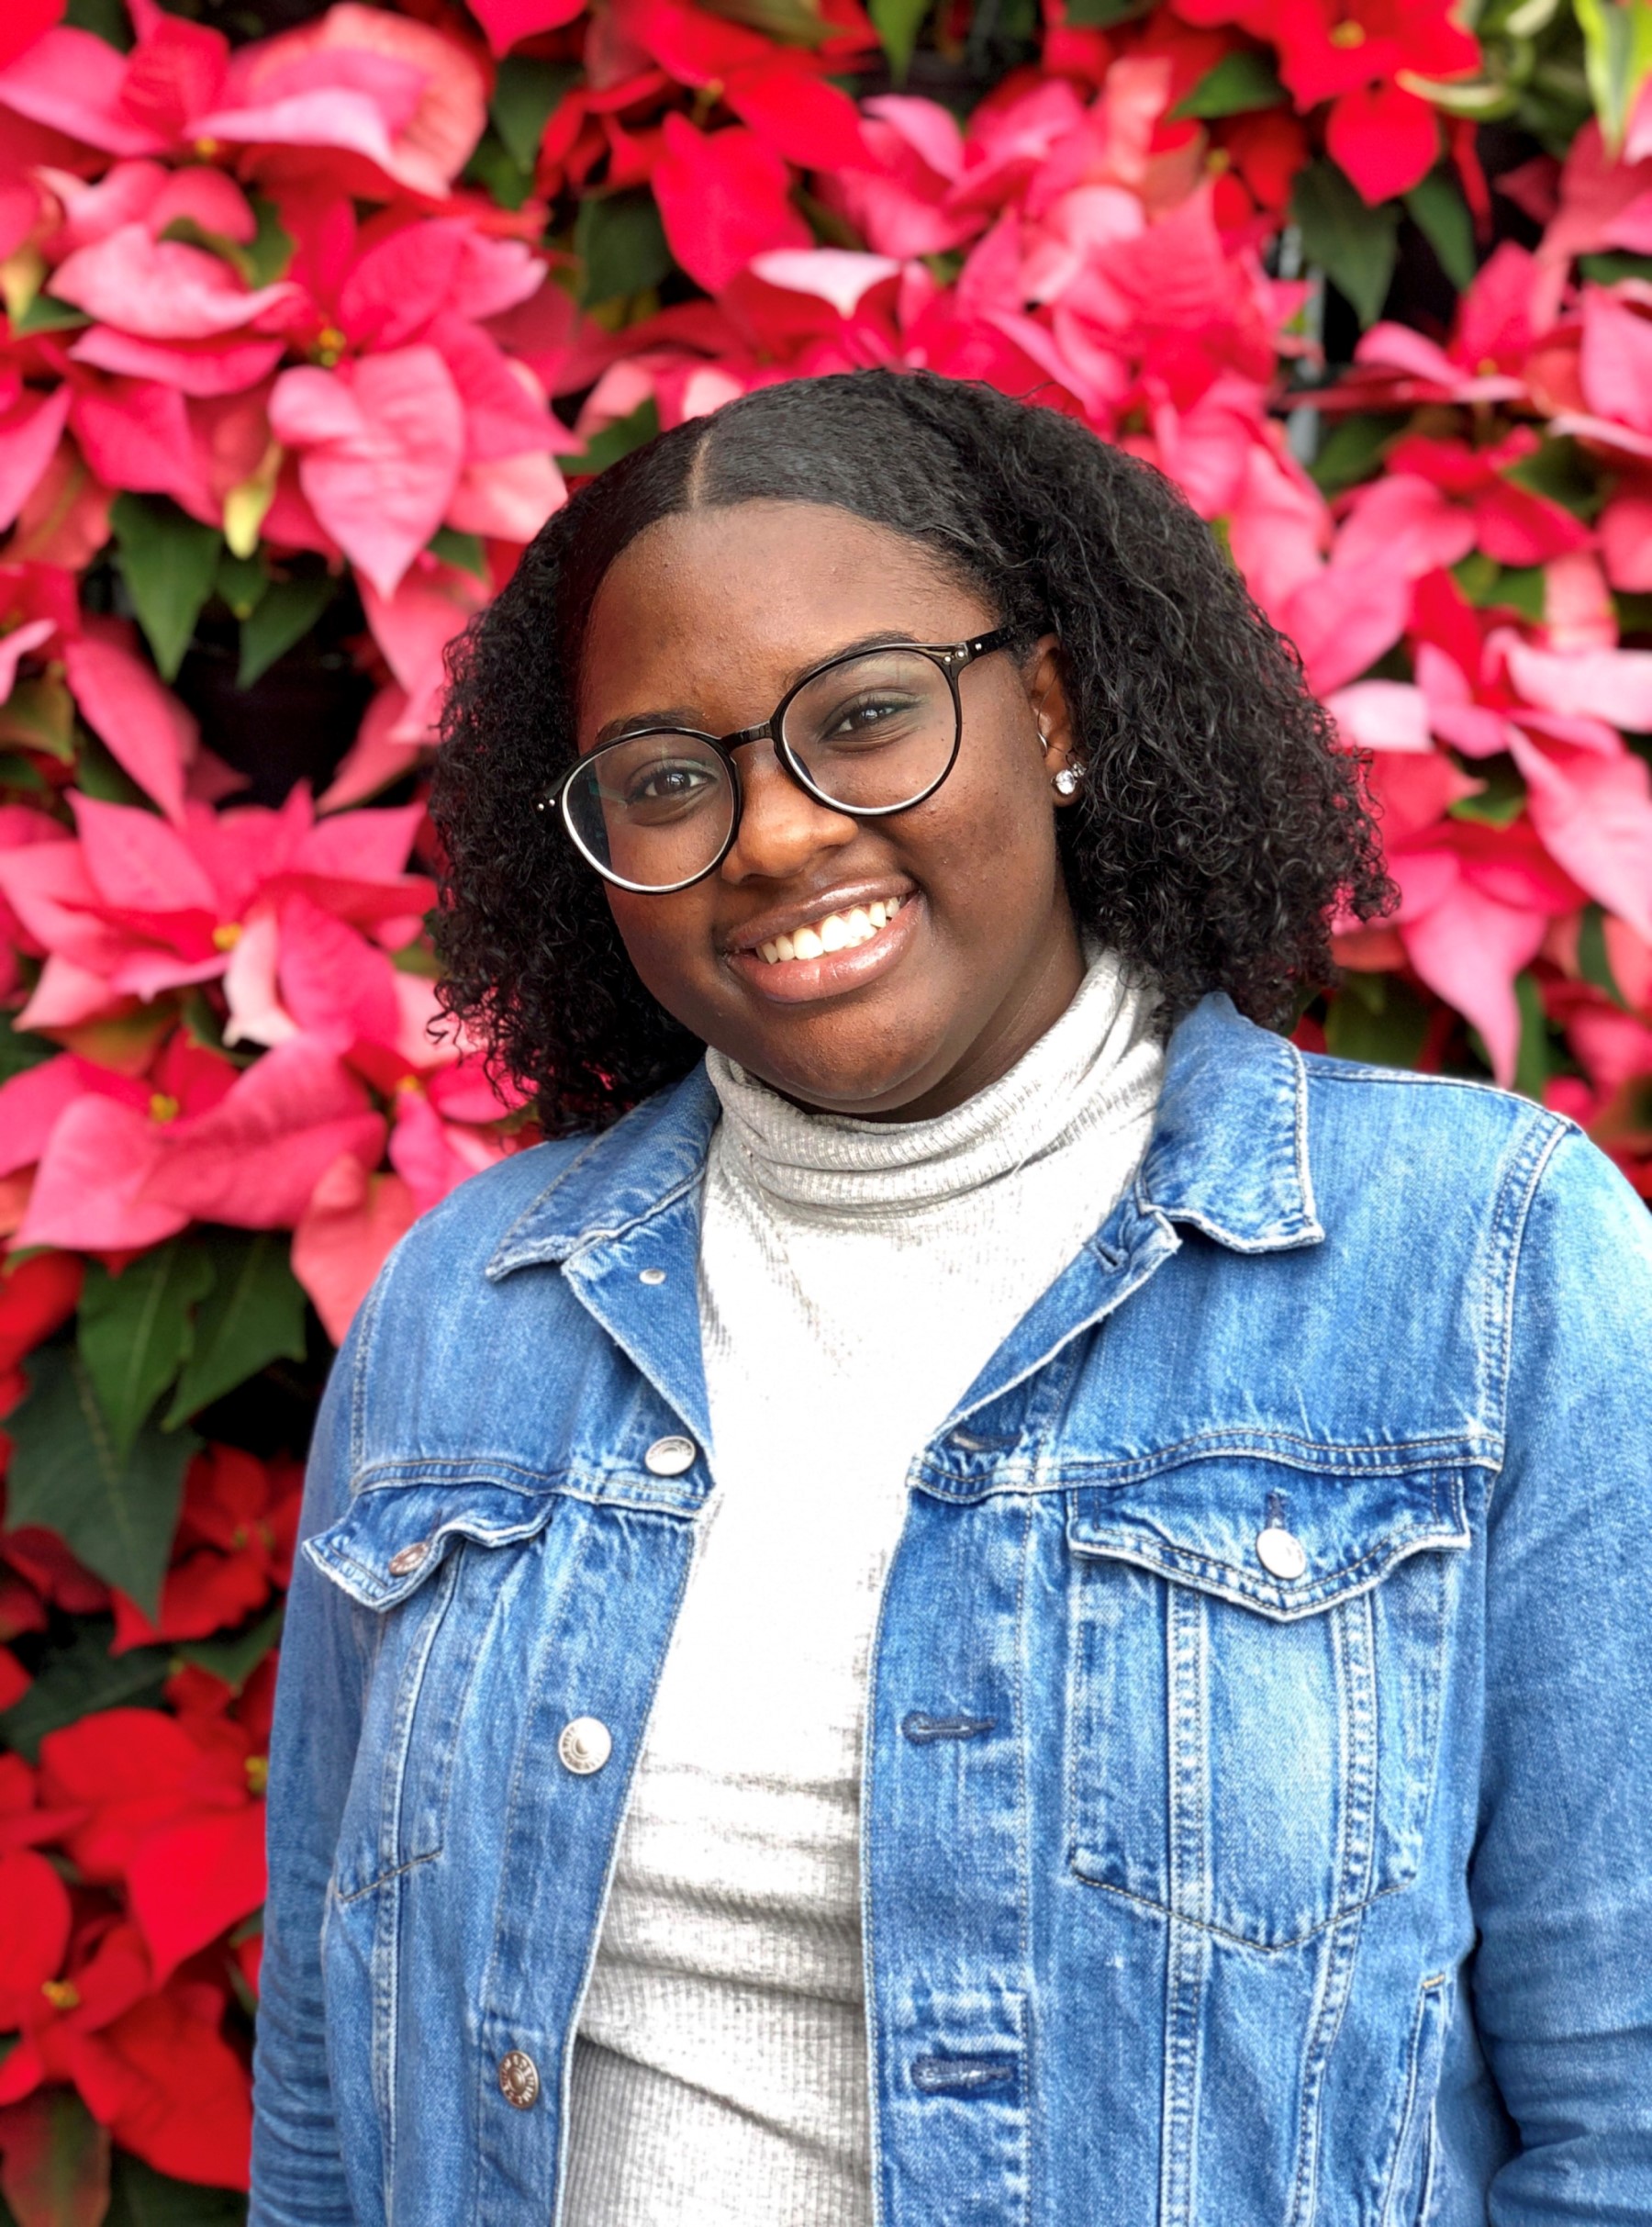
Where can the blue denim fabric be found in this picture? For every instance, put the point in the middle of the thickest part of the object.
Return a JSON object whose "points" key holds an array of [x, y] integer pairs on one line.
{"points": [[1192, 1893]]}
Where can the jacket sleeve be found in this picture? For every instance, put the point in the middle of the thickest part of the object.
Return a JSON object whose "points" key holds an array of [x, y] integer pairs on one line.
{"points": [[298, 2170], [1561, 1880]]}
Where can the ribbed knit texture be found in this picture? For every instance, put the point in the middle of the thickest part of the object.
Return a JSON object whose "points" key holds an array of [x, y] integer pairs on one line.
{"points": [[855, 1279]]}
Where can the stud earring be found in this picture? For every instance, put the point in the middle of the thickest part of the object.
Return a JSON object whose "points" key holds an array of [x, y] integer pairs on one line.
{"points": [[1066, 783]]}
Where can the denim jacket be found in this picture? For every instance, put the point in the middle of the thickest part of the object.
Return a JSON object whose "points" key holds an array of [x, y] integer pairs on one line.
{"points": [[1258, 1785]]}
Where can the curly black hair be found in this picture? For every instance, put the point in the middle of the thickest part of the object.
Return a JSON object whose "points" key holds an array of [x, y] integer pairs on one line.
{"points": [[1221, 823]]}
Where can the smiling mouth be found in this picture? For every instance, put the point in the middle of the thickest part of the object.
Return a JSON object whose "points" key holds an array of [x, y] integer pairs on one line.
{"points": [[832, 931]]}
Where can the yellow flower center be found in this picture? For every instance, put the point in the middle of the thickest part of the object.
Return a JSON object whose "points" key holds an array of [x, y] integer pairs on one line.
{"points": [[209, 150], [227, 936], [409, 1087], [329, 345], [1348, 35], [62, 1993], [258, 1773], [163, 1106], [1217, 160]]}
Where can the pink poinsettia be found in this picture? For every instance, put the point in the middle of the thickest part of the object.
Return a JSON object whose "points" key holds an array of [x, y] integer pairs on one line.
{"points": [[383, 103]]}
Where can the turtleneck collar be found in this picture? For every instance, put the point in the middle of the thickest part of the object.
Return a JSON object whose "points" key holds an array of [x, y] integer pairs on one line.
{"points": [[1098, 1067]]}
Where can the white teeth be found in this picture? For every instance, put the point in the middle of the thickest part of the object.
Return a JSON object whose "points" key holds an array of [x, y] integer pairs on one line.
{"points": [[836, 932]]}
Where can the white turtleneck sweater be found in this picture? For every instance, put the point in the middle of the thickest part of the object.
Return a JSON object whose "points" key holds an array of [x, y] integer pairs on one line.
{"points": [[854, 1277]]}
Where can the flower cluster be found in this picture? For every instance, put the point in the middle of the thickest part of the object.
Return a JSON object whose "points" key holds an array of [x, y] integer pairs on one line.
{"points": [[304, 338]]}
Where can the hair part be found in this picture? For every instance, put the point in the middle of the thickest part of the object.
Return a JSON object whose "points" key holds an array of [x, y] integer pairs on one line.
{"points": [[1221, 825]]}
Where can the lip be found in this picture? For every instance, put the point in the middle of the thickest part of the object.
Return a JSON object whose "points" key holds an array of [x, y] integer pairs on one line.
{"points": [[802, 982], [785, 919]]}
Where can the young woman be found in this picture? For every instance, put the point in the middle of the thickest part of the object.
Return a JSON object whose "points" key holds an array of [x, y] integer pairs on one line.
{"points": [[985, 1598]]}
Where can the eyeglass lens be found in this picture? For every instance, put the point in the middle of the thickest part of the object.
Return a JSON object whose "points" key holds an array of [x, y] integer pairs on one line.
{"points": [[872, 733]]}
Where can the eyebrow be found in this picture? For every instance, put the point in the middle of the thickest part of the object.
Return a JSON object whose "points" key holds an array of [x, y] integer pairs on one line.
{"points": [[676, 716]]}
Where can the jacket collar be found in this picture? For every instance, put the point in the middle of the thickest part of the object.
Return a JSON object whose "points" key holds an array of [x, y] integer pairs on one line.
{"points": [[1228, 1149], [1228, 1153]]}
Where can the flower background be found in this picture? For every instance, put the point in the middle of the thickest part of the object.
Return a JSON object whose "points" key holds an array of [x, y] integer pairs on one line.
{"points": [[311, 316]]}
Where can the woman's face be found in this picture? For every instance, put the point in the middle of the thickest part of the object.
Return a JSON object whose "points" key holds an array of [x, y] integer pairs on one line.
{"points": [[704, 621]]}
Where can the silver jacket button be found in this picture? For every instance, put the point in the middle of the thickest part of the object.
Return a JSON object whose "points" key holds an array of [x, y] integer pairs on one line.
{"points": [[409, 1558], [1281, 1553], [669, 1457], [519, 2079], [652, 1276], [585, 1745]]}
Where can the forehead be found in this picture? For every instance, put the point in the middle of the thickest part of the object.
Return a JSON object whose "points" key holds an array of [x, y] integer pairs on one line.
{"points": [[717, 611]]}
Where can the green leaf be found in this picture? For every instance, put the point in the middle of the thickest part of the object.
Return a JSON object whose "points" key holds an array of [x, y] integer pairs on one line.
{"points": [[234, 1660], [1379, 1019], [78, 1679], [1594, 961], [1536, 1062], [1560, 471], [143, 2197], [897, 24], [134, 1331], [54, 2171], [256, 1317], [1609, 270], [1099, 15], [116, 1516], [1500, 799], [270, 249], [621, 242], [616, 440], [497, 172], [1490, 585], [1353, 245], [1241, 81], [526, 94], [106, 19], [97, 775], [39, 714], [242, 582], [47, 314], [21, 1050], [169, 563], [463, 551], [1618, 59], [1350, 452], [284, 615], [1441, 215], [796, 22], [17, 772]]}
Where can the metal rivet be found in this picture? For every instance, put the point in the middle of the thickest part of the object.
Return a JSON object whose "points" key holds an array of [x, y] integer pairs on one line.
{"points": [[519, 2079], [585, 1745], [409, 1558], [652, 1276], [1281, 1553], [669, 1457]]}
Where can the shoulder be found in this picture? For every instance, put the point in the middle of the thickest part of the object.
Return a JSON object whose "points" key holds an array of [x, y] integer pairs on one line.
{"points": [[433, 1294], [1433, 1151], [1432, 1140]]}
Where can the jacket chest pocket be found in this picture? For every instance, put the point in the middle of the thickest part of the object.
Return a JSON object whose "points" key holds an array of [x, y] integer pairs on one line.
{"points": [[428, 1560], [1255, 1679]]}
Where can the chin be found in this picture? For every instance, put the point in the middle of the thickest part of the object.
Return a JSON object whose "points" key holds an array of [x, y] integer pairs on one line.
{"points": [[877, 1080]]}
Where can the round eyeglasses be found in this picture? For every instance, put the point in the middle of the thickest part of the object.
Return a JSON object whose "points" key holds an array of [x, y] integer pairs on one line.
{"points": [[869, 732]]}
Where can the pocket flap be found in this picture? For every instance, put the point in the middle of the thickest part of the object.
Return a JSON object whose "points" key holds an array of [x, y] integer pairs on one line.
{"points": [[395, 1536], [1203, 1524]]}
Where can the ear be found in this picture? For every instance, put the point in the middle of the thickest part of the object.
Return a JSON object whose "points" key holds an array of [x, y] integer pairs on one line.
{"points": [[1046, 692]]}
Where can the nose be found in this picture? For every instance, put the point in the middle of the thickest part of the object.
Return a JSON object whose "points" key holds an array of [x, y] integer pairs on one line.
{"points": [[781, 826]]}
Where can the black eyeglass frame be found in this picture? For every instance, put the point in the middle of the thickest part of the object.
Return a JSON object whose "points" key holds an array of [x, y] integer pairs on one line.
{"points": [[951, 658]]}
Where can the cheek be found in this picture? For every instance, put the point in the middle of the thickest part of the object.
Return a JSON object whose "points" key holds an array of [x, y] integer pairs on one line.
{"points": [[669, 942]]}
